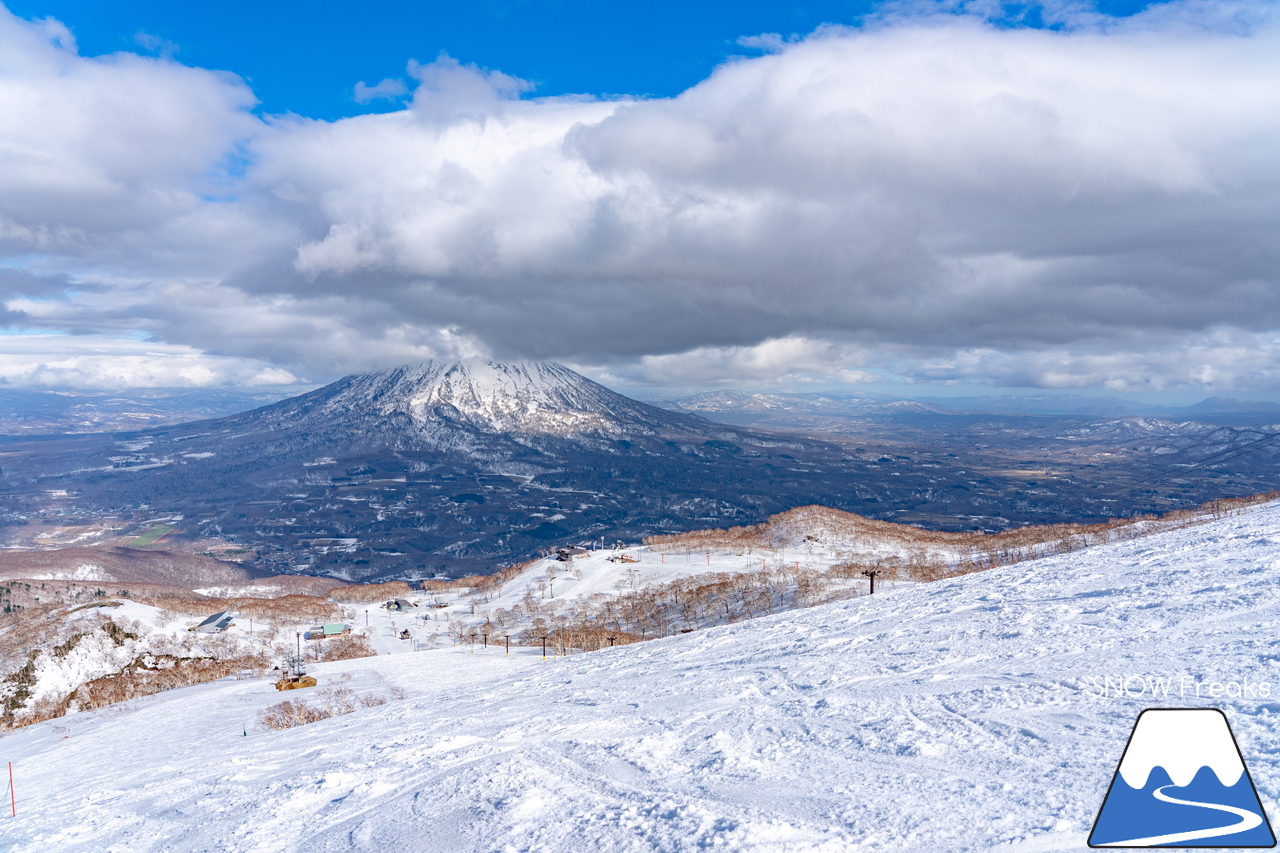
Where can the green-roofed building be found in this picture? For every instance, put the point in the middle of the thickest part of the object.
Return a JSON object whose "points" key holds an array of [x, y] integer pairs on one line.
{"points": [[332, 629]]}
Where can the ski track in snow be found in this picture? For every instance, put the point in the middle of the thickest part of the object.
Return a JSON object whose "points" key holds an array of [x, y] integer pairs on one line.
{"points": [[953, 716]]}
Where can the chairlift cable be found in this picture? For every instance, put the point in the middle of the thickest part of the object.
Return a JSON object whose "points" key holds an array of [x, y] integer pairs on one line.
{"points": [[1235, 452]]}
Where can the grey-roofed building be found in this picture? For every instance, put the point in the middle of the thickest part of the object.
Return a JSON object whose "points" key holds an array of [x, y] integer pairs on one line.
{"points": [[215, 624]]}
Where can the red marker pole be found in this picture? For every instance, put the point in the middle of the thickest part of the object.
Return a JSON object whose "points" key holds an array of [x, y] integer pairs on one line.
{"points": [[13, 798]]}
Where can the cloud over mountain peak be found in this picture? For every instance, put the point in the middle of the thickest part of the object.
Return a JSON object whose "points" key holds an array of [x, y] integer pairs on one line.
{"points": [[932, 197]]}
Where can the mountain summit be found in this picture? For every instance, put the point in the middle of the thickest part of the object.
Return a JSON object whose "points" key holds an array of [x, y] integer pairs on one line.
{"points": [[438, 467], [457, 467], [434, 398]]}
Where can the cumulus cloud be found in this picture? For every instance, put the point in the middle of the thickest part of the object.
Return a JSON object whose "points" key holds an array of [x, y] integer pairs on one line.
{"points": [[329, 336], [450, 91], [930, 195], [1222, 359], [155, 44], [388, 89], [104, 363], [771, 362]]}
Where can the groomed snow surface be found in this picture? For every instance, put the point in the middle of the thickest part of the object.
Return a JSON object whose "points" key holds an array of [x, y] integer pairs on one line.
{"points": [[959, 715]]}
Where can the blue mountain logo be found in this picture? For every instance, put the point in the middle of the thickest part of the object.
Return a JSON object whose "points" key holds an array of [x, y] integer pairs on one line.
{"points": [[1182, 783]]}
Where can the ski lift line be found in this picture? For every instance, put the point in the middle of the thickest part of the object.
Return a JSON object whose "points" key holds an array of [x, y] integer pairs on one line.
{"points": [[1245, 448], [1228, 458], [1236, 452]]}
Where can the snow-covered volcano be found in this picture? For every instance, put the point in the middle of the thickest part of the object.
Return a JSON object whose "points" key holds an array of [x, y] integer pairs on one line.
{"points": [[464, 405], [536, 398], [442, 466]]}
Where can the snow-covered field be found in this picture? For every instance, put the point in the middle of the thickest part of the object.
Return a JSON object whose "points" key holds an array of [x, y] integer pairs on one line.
{"points": [[972, 714], [558, 587]]}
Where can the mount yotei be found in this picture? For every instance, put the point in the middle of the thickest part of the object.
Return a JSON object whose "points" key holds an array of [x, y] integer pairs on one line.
{"points": [[460, 467], [432, 468]]}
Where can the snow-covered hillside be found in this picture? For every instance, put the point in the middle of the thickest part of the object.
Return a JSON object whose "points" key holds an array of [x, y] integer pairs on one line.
{"points": [[806, 556], [447, 404], [561, 587], [971, 714], [515, 397]]}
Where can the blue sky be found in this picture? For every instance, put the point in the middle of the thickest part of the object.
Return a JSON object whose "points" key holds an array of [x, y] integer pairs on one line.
{"points": [[942, 195], [306, 56]]}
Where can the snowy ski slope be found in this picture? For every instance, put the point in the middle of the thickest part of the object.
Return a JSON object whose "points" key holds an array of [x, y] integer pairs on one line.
{"points": [[559, 586], [967, 715]]}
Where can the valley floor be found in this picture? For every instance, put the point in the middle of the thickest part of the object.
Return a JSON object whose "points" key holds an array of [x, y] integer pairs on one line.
{"points": [[964, 715]]}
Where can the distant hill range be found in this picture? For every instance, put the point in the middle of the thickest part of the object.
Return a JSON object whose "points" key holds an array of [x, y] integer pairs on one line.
{"points": [[797, 409], [433, 468], [31, 412], [1068, 404], [28, 577], [45, 412], [455, 468]]}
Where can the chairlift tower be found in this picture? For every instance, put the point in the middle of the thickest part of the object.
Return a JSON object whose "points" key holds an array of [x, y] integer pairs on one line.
{"points": [[294, 664]]}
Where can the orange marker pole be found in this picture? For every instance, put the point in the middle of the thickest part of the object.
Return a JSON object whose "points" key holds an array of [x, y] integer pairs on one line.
{"points": [[13, 798]]}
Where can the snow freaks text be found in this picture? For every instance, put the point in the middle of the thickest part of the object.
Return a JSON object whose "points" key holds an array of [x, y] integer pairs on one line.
{"points": [[1171, 686]]}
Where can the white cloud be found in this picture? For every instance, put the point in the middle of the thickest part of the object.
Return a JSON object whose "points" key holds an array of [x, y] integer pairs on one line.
{"points": [[98, 362], [155, 44], [930, 195], [771, 362], [942, 180], [1217, 361], [389, 88], [450, 91], [328, 335], [112, 162]]}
